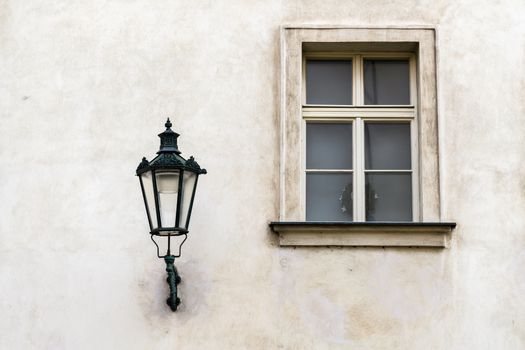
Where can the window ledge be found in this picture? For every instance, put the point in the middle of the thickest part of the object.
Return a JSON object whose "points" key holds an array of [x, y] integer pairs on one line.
{"points": [[363, 234]]}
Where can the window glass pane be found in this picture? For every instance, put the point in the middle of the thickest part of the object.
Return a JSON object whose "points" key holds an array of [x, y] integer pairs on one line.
{"points": [[388, 197], [329, 146], [329, 82], [386, 82], [387, 146], [329, 197]]}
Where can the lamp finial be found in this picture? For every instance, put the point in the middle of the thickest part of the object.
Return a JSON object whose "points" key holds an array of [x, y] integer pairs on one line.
{"points": [[168, 140]]}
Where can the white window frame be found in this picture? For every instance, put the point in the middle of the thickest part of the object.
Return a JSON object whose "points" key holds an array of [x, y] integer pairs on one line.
{"points": [[428, 229], [357, 114]]}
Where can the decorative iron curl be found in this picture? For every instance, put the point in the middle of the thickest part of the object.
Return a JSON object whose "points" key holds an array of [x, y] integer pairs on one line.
{"points": [[173, 280]]}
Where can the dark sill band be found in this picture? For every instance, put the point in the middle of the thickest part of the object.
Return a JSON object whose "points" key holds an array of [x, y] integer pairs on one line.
{"points": [[363, 224], [357, 106]]}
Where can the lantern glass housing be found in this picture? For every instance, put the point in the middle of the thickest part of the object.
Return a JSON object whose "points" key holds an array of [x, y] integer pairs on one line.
{"points": [[168, 186]]}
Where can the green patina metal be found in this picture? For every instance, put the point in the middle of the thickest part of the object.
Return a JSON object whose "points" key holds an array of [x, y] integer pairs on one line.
{"points": [[169, 155], [173, 280], [169, 161]]}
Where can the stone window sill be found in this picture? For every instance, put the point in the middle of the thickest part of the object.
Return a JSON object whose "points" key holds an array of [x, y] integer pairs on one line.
{"points": [[364, 234]]}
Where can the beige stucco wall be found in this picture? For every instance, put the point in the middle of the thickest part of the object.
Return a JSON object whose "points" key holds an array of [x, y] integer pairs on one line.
{"points": [[86, 85]]}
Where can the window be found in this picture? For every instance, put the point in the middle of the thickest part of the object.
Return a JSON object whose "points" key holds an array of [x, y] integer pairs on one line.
{"points": [[360, 125], [359, 138]]}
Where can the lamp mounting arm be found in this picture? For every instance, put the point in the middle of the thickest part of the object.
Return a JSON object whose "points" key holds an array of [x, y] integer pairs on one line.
{"points": [[173, 280]]}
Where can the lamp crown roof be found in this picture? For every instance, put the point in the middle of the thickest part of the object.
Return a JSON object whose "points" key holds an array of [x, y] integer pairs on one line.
{"points": [[169, 154]]}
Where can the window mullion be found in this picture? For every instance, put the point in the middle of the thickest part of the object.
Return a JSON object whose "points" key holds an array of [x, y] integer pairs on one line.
{"points": [[359, 179], [359, 171], [414, 134]]}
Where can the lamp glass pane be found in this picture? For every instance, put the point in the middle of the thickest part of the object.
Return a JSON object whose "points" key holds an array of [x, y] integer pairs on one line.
{"points": [[168, 189], [147, 183], [188, 187]]}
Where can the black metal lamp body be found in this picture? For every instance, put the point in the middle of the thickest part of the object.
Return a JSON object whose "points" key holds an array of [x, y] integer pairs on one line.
{"points": [[168, 185]]}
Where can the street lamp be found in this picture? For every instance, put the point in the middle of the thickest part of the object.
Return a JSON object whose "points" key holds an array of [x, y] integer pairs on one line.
{"points": [[168, 185]]}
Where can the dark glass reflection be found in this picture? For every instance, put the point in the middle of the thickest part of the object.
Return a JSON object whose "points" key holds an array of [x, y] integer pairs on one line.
{"points": [[387, 146], [329, 146], [329, 197], [387, 82], [329, 82], [388, 197]]}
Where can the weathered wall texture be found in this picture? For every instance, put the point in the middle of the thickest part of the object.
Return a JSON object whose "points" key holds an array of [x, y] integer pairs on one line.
{"points": [[86, 85]]}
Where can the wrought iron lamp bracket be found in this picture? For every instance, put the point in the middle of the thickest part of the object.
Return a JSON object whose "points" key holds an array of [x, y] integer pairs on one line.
{"points": [[173, 281], [169, 248], [169, 168]]}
